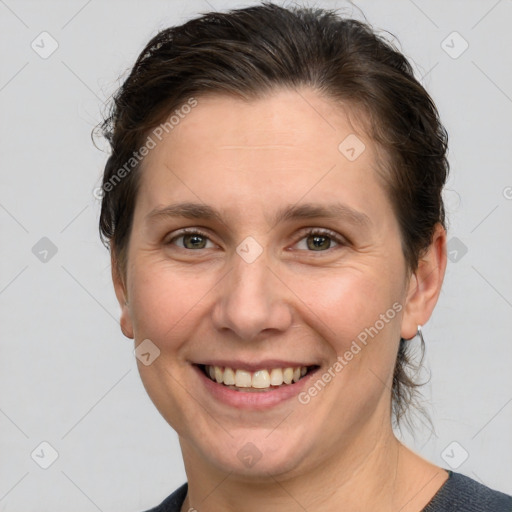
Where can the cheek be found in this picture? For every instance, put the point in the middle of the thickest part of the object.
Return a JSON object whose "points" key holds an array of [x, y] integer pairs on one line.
{"points": [[358, 316], [347, 302], [357, 313], [165, 301]]}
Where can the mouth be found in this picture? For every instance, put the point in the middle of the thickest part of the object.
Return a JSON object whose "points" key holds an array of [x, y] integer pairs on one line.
{"points": [[259, 381]]}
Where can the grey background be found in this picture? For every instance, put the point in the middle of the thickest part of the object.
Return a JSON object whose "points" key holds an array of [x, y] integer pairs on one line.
{"points": [[67, 374]]}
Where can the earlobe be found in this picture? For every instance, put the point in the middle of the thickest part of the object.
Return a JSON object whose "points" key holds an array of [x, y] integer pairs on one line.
{"points": [[125, 319], [425, 285], [126, 322]]}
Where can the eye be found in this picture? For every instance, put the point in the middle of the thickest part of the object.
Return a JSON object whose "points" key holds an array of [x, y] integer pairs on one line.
{"points": [[319, 240], [313, 240], [191, 239]]}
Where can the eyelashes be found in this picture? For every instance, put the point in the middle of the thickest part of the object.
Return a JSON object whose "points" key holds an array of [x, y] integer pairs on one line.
{"points": [[195, 235]]}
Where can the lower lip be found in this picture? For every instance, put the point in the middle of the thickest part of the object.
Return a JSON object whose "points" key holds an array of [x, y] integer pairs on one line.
{"points": [[253, 400]]}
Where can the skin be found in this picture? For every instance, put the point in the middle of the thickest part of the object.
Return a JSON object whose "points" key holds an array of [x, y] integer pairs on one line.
{"points": [[248, 159]]}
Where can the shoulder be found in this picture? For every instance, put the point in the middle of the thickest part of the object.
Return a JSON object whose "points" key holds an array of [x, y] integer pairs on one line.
{"points": [[173, 502], [463, 494]]}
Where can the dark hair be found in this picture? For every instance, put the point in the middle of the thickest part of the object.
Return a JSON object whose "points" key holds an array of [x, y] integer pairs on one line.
{"points": [[253, 51]]}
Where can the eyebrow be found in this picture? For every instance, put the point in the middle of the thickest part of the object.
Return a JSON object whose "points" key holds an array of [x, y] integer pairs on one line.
{"points": [[200, 211]]}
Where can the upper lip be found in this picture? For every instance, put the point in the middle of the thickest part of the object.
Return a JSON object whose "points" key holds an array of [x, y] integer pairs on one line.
{"points": [[254, 366]]}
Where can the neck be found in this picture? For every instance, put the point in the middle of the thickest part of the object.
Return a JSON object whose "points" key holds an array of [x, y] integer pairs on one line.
{"points": [[374, 472]]}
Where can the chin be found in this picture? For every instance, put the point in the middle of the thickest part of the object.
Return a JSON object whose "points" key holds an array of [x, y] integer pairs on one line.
{"points": [[254, 455]]}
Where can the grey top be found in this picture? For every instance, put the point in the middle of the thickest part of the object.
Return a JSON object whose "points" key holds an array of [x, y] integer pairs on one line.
{"points": [[458, 494]]}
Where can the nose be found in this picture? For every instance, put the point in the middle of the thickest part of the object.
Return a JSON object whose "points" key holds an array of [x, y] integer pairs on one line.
{"points": [[253, 302]]}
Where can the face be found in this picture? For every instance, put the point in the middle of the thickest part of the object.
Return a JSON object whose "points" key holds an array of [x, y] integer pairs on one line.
{"points": [[291, 255]]}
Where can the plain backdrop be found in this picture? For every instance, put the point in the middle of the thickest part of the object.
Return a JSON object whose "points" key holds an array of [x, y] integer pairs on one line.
{"points": [[68, 377]]}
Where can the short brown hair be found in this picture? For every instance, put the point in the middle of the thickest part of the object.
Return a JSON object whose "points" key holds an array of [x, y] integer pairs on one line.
{"points": [[251, 52]]}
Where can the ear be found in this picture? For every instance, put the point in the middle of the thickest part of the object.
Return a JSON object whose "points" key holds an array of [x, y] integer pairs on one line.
{"points": [[425, 285], [122, 297]]}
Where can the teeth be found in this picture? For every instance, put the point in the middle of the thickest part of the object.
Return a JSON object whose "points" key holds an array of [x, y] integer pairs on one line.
{"points": [[261, 379], [276, 377], [229, 377], [243, 379]]}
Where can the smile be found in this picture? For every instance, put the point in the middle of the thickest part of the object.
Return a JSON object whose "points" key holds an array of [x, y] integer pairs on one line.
{"points": [[259, 380]]}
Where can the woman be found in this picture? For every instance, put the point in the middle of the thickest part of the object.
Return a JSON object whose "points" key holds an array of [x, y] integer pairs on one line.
{"points": [[274, 213]]}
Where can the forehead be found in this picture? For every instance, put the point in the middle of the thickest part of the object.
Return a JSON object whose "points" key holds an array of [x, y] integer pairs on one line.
{"points": [[279, 148], [283, 120]]}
